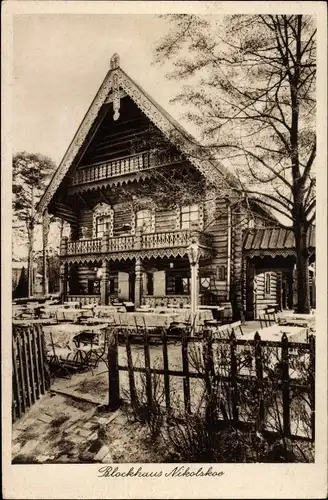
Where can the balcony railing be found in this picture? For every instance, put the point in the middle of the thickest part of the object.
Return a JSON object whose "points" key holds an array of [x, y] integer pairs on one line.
{"points": [[149, 241], [122, 166]]}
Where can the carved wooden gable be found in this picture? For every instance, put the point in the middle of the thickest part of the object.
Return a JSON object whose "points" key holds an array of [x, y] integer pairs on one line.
{"points": [[109, 105]]}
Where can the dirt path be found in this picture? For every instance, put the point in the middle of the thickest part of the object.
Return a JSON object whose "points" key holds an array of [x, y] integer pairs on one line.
{"points": [[63, 429]]}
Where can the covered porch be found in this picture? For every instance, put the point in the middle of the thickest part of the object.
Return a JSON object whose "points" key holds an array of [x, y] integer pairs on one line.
{"points": [[269, 260], [149, 280]]}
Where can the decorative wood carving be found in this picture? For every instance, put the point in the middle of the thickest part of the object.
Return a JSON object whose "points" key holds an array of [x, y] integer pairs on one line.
{"points": [[99, 211], [132, 255]]}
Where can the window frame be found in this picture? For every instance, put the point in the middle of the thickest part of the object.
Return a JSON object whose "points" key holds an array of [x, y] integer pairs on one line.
{"points": [[146, 227], [106, 224], [188, 210]]}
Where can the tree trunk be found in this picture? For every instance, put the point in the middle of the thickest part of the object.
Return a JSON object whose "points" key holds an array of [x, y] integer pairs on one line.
{"points": [[302, 268], [30, 233]]}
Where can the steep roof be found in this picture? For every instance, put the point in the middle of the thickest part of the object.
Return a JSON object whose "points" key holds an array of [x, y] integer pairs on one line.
{"points": [[115, 80]]}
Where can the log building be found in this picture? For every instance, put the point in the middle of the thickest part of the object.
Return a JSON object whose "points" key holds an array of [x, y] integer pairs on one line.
{"points": [[136, 190]]}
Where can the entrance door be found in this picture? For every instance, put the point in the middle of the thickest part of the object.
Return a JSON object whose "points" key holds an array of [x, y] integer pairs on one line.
{"points": [[123, 286], [132, 280], [159, 283]]}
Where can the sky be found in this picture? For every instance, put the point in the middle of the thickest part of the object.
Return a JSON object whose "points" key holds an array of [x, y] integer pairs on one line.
{"points": [[60, 62]]}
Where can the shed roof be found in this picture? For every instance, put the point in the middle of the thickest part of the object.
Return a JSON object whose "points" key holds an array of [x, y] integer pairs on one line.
{"points": [[274, 240]]}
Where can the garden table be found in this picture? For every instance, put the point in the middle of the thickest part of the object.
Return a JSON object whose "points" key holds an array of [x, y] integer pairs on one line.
{"points": [[62, 313], [181, 315], [296, 319], [44, 321], [72, 304], [275, 332]]}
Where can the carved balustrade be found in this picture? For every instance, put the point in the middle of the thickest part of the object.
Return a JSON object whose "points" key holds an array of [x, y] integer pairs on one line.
{"points": [[149, 241], [84, 300], [122, 166], [165, 301]]}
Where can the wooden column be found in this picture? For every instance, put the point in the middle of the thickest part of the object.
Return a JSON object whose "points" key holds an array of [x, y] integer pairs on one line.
{"points": [[63, 280], [194, 294], [236, 291], [104, 283], [105, 271], [45, 233], [63, 245], [250, 273], [138, 282]]}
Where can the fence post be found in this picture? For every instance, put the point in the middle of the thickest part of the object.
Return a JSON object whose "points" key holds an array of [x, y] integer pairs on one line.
{"points": [[113, 372], [185, 368], [133, 391], [259, 378], [149, 391], [233, 375], [209, 375], [45, 369], [285, 385], [166, 369], [312, 383]]}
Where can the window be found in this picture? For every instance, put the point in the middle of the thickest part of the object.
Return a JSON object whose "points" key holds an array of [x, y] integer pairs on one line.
{"points": [[177, 285], [102, 224], [221, 272], [267, 283], [150, 284], [189, 216], [205, 284], [93, 287], [143, 220]]}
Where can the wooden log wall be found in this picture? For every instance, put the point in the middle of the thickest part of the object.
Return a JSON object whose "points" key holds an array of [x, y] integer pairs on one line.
{"points": [[85, 220], [264, 299], [122, 216], [216, 223], [165, 220]]}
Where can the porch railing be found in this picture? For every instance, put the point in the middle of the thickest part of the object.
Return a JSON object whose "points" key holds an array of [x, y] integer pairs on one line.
{"points": [[122, 166], [84, 300], [165, 301], [170, 239]]}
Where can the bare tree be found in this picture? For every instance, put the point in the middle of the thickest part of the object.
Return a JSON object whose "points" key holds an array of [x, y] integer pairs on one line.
{"points": [[250, 88]]}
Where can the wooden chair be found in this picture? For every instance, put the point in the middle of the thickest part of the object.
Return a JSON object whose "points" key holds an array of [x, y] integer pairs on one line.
{"points": [[236, 326], [269, 317], [59, 357], [91, 348]]}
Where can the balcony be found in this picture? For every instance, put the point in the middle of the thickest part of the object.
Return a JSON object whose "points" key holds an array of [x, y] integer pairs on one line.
{"points": [[123, 166], [147, 243]]}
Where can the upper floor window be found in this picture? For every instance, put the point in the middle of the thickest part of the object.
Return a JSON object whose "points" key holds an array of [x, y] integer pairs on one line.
{"points": [[189, 216], [103, 224], [102, 220], [143, 220]]}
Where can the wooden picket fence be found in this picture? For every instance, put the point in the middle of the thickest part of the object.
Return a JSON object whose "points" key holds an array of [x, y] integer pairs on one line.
{"points": [[283, 383], [30, 375]]}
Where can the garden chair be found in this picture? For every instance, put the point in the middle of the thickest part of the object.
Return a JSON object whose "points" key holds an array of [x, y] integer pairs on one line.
{"points": [[268, 318], [59, 315], [92, 348], [236, 326], [59, 357]]}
